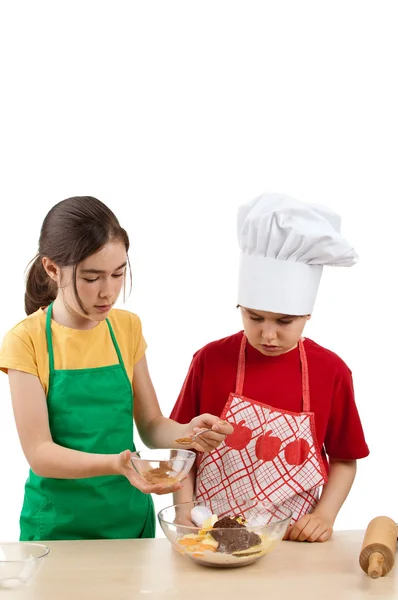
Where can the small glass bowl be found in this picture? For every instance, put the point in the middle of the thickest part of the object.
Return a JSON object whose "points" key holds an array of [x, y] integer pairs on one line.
{"points": [[20, 562], [163, 466]]}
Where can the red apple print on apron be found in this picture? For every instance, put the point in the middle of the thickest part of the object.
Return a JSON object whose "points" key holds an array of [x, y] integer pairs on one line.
{"points": [[267, 447], [272, 455], [296, 452], [239, 438]]}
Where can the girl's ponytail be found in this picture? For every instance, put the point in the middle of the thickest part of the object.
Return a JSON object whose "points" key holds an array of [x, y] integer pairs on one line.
{"points": [[40, 289]]}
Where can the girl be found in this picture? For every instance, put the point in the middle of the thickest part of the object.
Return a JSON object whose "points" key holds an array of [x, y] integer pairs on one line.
{"points": [[77, 373], [291, 402]]}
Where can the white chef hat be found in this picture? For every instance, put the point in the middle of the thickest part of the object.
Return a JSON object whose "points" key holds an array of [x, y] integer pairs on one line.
{"points": [[284, 246]]}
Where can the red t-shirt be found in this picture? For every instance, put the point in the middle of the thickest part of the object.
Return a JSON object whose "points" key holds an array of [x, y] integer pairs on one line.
{"points": [[276, 381]]}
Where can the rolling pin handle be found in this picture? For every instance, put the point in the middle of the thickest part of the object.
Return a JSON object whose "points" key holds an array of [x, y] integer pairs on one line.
{"points": [[375, 568]]}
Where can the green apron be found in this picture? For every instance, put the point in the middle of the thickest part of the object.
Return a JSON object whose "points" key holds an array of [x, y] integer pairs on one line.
{"points": [[90, 410]]}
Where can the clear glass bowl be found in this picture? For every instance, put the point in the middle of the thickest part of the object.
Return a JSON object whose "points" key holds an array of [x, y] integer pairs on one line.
{"points": [[163, 466], [265, 525], [20, 562]]}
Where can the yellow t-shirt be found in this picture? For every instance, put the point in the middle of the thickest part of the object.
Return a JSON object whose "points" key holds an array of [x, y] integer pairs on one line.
{"points": [[24, 347]]}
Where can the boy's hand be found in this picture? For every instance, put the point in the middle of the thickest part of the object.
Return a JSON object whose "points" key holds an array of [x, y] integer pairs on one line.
{"points": [[211, 439], [183, 516], [310, 528]]}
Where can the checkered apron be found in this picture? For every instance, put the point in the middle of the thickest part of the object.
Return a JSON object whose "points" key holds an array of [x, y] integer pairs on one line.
{"points": [[272, 455]]}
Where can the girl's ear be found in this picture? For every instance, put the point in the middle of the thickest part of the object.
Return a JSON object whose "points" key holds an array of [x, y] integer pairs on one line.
{"points": [[51, 269]]}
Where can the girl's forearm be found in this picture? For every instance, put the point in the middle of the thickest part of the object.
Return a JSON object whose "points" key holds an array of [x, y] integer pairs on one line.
{"points": [[52, 460]]}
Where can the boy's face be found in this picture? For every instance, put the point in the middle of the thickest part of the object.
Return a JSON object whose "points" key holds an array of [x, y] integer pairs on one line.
{"points": [[270, 333]]}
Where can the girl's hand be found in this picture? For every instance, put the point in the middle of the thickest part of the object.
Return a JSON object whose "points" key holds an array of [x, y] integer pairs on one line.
{"points": [[211, 439], [123, 466], [310, 528]]}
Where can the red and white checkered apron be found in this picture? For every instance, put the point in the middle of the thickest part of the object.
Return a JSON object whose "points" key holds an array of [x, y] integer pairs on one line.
{"points": [[272, 455]]}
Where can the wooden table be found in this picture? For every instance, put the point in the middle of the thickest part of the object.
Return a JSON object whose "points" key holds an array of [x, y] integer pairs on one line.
{"points": [[151, 569]]}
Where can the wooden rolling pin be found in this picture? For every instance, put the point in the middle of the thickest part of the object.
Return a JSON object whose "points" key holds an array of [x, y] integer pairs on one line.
{"points": [[379, 545]]}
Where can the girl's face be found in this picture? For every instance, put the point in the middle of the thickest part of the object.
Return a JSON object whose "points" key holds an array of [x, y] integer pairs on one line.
{"points": [[270, 333], [99, 280]]}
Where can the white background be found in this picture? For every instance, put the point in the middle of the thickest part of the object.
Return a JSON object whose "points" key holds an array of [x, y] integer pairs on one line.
{"points": [[174, 113]]}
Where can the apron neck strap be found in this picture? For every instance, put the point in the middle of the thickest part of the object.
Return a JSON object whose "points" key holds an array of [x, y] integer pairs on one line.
{"points": [[50, 340], [305, 382], [240, 376], [49, 337], [119, 354]]}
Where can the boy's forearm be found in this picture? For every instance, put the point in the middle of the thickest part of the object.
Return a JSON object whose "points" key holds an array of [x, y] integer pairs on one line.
{"points": [[341, 477], [186, 493]]}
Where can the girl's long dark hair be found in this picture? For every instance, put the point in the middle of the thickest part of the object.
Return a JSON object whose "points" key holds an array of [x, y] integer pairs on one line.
{"points": [[73, 230]]}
